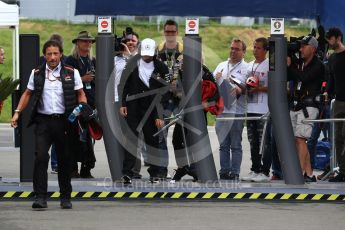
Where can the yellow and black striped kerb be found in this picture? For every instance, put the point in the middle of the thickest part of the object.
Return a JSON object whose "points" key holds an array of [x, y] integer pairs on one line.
{"points": [[212, 196]]}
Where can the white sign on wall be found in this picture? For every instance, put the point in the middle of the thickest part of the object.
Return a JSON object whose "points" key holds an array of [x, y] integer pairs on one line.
{"points": [[192, 26], [104, 24], [277, 26]]}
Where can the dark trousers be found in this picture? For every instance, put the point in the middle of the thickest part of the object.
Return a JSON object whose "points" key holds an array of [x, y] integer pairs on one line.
{"points": [[130, 156], [51, 130], [339, 112], [254, 131], [83, 152]]}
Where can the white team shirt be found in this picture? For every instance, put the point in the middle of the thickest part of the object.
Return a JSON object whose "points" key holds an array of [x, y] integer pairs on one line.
{"points": [[52, 100], [258, 101], [237, 71]]}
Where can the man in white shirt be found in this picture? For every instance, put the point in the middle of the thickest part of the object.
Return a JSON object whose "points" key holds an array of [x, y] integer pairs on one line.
{"points": [[231, 76], [55, 89], [257, 105]]}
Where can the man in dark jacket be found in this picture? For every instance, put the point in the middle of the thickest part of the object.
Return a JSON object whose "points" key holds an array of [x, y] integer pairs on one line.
{"points": [[140, 91], [336, 86]]}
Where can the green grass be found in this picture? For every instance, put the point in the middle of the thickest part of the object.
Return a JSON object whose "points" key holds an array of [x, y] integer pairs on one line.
{"points": [[215, 40]]}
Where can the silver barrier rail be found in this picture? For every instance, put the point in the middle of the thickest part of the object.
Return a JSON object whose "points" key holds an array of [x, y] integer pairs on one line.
{"points": [[263, 117]]}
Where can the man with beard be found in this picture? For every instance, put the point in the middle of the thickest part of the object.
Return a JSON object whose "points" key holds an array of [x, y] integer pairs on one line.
{"points": [[336, 86], [140, 94]]}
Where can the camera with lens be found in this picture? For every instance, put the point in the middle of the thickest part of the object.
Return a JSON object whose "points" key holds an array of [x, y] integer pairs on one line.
{"points": [[293, 46], [127, 34]]}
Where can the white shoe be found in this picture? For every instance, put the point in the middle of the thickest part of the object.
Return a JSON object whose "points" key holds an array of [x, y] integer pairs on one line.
{"points": [[261, 178], [169, 176], [251, 175]]}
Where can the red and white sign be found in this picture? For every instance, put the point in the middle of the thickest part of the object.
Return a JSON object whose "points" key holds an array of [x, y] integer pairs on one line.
{"points": [[192, 26], [104, 24]]}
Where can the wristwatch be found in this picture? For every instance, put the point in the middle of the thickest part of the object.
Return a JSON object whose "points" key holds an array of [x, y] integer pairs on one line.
{"points": [[17, 110]]}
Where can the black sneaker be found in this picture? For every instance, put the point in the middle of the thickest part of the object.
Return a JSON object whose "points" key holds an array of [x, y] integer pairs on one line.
{"points": [[40, 203], [65, 203], [126, 179], [338, 178], [309, 179], [154, 180], [85, 173], [224, 176], [179, 173], [193, 174], [234, 176], [75, 174]]}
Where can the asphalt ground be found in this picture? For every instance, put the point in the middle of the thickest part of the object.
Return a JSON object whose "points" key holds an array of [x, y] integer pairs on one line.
{"points": [[157, 214]]}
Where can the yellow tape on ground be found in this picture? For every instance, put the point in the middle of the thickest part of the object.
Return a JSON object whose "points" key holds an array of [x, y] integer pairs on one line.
{"points": [[207, 195], [151, 195], [103, 195], [164, 194], [176, 195], [301, 196], [239, 195], [192, 195], [286, 196], [74, 194], [55, 195], [333, 197], [254, 196], [270, 196], [223, 195], [88, 194], [9, 194], [317, 197], [119, 194], [25, 194], [135, 195]]}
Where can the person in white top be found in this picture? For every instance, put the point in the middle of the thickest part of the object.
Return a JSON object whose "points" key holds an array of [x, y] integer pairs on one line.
{"points": [[128, 49], [2, 59], [55, 89], [231, 77], [257, 105]]}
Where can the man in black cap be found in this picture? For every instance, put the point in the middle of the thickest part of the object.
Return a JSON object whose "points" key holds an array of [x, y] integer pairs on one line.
{"points": [[336, 86], [83, 60], [307, 80]]}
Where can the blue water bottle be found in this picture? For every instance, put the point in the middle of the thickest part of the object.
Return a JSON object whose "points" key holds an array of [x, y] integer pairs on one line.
{"points": [[75, 113]]}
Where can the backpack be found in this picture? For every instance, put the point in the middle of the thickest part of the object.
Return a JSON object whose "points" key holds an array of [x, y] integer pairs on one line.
{"points": [[322, 154]]}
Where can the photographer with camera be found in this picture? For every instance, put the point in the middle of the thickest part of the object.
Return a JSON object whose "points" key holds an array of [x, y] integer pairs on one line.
{"points": [[83, 60], [126, 47], [336, 86], [305, 84]]}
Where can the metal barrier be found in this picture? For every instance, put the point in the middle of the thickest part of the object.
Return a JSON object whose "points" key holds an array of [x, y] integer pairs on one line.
{"points": [[333, 160]]}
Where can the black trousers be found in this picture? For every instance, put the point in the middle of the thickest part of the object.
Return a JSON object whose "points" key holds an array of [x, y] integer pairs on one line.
{"points": [[131, 133], [51, 130]]}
